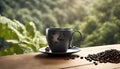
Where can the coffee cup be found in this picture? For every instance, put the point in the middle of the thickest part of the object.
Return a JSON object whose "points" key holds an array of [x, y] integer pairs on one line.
{"points": [[59, 39]]}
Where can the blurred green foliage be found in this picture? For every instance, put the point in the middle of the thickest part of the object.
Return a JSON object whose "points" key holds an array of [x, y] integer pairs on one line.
{"points": [[44, 13], [103, 25], [98, 20], [16, 38]]}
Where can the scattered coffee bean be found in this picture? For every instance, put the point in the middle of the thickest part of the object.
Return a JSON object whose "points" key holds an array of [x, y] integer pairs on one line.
{"points": [[81, 57], [77, 56], [47, 49], [86, 58]]}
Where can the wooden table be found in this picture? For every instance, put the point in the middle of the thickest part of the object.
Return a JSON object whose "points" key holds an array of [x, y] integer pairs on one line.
{"points": [[42, 61]]}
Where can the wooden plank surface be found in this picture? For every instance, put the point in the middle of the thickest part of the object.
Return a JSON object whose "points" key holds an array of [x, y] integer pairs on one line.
{"points": [[42, 61]]}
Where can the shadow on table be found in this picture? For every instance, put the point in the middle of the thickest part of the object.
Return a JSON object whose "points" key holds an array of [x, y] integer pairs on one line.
{"points": [[59, 59], [65, 56]]}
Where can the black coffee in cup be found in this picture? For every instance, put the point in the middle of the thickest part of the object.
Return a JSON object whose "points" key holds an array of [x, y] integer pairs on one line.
{"points": [[59, 39]]}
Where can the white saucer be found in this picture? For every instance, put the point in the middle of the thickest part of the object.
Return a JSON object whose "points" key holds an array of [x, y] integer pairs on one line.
{"points": [[69, 51]]}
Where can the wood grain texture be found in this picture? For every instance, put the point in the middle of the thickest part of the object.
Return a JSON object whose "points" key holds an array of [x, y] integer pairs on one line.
{"points": [[42, 61]]}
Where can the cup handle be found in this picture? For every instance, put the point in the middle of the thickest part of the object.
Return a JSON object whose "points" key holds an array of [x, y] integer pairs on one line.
{"points": [[72, 38]]}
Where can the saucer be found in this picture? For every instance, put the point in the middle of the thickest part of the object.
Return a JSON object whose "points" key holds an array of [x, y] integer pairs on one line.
{"points": [[69, 51]]}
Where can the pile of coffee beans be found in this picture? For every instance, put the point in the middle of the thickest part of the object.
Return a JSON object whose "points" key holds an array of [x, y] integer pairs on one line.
{"points": [[107, 56]]}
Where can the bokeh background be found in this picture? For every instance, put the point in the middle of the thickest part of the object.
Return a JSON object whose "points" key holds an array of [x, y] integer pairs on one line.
{"points": [[23, 23]]}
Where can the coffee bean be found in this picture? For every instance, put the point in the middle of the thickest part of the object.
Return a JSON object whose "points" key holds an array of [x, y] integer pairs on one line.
{"points": [[77, 56], [85, 57], [81, 57], [95, 63], [47, 49], [90, 60]]}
